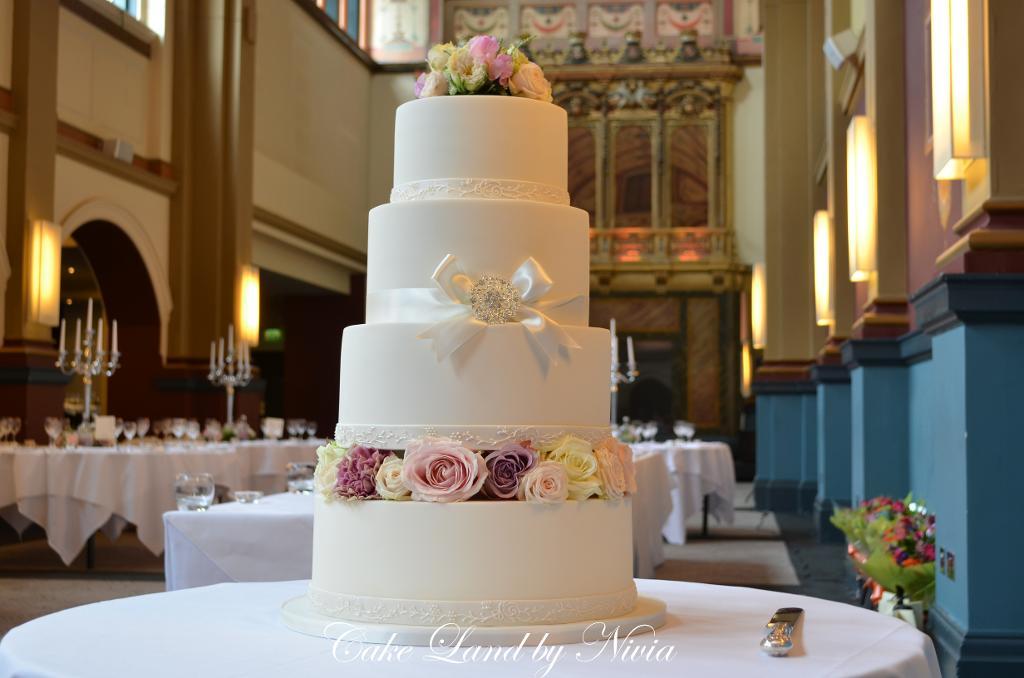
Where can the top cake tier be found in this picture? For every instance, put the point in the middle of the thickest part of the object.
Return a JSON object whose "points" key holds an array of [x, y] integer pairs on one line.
{"points": [[462, 146]]}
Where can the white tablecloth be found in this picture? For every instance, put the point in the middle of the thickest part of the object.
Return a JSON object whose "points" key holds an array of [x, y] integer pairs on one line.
{"points": [[268, 541], [652, 506], [235, 630], [72, 493], [700, 469]]}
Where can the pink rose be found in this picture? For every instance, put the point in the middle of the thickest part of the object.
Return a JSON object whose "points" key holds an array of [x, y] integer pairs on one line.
{"points": [[441, 470], [483, 47], [500, 69], [611, 473], [625, 455], [431, 84], [545, 483]]}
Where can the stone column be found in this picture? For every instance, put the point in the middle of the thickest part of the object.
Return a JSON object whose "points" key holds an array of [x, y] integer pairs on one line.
{"points": [[786, 459], [31, 387], [211, 214]]}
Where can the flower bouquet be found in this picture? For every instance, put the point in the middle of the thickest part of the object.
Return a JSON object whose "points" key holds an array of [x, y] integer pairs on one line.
{"points": [[484, 65]]}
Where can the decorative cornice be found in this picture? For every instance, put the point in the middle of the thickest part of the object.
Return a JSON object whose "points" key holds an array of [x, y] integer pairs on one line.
{"points": [[871, 353], [956, 298], [983, 239], [783, 377]]}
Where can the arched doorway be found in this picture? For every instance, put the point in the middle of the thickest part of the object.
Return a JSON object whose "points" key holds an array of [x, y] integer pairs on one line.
{"points": [[128, 296]]}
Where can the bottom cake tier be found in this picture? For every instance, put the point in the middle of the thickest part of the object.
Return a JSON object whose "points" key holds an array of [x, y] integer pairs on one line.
{"points": [[476, 563]]}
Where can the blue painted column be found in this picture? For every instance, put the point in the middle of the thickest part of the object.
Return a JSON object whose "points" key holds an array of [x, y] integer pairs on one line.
{"points": [[833, 447], [786, 446], [977, 326], [878, 418]]}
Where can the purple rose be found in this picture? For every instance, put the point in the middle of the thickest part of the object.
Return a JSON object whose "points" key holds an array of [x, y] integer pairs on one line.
{"points": [[357, 473], [505, 466], [417, 89], [441, 470]]}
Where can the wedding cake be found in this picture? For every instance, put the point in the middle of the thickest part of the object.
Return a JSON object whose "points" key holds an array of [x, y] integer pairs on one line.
{"points": [[472, 478]]}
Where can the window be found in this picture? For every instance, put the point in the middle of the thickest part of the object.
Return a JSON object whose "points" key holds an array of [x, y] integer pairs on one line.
{"points": [[152, 13]]}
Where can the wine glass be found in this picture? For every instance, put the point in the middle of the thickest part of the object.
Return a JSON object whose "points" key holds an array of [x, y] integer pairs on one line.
{"points": [[194, 491], [212, 431], [118, 429], [53, 426], [16, 425], [650, 430], [192, 430], [130, 429], [142, 423], [178, 426], [311, 427]]}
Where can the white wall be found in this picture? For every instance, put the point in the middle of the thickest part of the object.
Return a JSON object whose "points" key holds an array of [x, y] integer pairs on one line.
{"points": [[112, 91], [748, 165], [311, 126], [387, 92]]}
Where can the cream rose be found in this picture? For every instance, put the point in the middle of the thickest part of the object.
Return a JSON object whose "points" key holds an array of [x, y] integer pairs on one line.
{"points": [[437, 57], [611, 473], [529, 81], [467, 74], [389, 480], [545, 483], [434, 85], [576, 455], [326, 475]]}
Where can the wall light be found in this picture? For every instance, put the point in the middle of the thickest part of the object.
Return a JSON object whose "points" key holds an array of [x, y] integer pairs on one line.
{"points": [[823, 268], [44, 280], [758, 315], [958, 86], [249, 325], [861, 196], [746, 370]]}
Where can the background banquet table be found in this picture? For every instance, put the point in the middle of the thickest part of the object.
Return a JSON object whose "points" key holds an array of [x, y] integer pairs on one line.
{"points": [[273, 540], [72, 493], [700, 469], [236, 630]]}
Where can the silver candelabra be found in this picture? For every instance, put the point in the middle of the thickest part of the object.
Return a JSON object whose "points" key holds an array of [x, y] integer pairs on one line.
{"points": [[89, 359], [227, 371], [617, 376]]}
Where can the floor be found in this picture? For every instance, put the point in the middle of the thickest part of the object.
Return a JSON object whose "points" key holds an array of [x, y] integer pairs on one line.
{"points": [[762, 549]]}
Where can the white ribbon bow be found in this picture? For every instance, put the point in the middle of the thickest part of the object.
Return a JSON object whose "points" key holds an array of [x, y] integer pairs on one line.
{"points": [[532, 284]]}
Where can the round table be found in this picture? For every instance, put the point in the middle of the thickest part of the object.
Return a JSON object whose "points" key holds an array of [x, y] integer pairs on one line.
{"points": [[236, 630]]}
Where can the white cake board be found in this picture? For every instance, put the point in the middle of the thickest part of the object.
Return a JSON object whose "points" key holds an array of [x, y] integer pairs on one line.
{"points": [[298, 614]]}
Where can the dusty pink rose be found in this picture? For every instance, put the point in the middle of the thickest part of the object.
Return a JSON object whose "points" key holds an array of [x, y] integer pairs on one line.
{"points": [[625, 455], [500, 69], [611, 473], [441, 470], [545, 483]]}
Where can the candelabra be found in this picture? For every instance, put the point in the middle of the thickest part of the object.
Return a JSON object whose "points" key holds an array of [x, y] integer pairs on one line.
{"points": [[228, 372], [617, 376], [89, 359]]}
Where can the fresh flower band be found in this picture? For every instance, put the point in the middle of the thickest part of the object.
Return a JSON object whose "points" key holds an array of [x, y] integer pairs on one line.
{"points": [[443, 470], [482, 66]]}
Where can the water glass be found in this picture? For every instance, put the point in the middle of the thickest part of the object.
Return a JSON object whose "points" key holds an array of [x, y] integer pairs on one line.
{"points": [[53, 426], [300, 477], [142, 423], [130, 429], [194, 491]]}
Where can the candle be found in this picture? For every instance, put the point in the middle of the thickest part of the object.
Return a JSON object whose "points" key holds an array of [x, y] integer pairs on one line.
{"points": [[88, 318], [78, 335], [213, 354], [99, 335], [62, 330], [220, 353], [629, 352], [113, 347], [231, 337], [615, 350]]}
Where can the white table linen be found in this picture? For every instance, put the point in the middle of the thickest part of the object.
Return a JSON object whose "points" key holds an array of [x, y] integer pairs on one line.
{"points": [[652, 505], [72, 493], [236, 630], [268, 541], [700, 468]]}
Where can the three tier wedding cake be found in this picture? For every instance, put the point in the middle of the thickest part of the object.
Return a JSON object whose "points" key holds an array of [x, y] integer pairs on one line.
{"points": [[472, 479]]}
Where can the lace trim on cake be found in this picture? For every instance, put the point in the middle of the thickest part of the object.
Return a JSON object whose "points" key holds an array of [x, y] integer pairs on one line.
{"points": [[474, 437], [488, 189], [472, 613]]}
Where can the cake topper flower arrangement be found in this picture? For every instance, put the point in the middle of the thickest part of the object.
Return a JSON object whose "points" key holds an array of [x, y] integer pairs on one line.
{"points": [[484, 65]]}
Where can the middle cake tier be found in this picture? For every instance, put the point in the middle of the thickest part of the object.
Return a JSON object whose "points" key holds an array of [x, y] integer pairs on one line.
{"points": [[407, 242], [495, 389]]}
